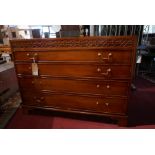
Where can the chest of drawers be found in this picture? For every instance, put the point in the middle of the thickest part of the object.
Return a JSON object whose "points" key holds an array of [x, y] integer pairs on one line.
{"points": [[90, 75]]}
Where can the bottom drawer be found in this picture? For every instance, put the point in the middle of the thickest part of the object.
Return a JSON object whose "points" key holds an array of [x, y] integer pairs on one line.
{"points": [[81, 103], [32, 99]]}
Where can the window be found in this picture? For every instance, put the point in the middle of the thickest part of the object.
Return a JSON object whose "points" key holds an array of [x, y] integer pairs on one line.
{"points": [[13, 34], [48, 32]]}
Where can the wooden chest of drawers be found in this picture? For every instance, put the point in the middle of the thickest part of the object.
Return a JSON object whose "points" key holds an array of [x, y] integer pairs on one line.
{"points": [[90, 75]]}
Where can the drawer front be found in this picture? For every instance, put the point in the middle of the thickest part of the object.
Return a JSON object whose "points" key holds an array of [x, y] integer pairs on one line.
{"points": [[82, 103], [110, 105], [32, 98], [104, 56], [108, 88], [76, 70], [29, 84]]}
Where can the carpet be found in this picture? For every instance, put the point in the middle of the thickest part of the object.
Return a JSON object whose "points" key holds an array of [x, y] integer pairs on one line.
{"points": [[149, 76]]}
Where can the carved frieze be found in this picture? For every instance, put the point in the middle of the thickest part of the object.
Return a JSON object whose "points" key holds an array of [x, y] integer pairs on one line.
{"points": [[75, 42]]}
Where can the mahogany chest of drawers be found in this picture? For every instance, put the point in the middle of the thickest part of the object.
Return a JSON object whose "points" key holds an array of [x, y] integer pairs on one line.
{"points": [[90, 75]]}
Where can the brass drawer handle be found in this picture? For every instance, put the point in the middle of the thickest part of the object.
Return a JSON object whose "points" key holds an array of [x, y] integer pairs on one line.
{"points": [[97, 85], [107, 104], [108, 86], [33, 59], [99, 69], [108, 58], [108, 71], [35, 54], [32, 56], [99, 54]]}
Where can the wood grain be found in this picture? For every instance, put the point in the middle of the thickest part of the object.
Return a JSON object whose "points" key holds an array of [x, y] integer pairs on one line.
{"points": [[90, 75]]}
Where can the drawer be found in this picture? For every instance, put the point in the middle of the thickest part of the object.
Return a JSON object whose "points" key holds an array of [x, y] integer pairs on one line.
{"points": [[109, 88], [104, 56], [85, 86], [81, 103], [77, 70], [31, 98], [27, 84]]}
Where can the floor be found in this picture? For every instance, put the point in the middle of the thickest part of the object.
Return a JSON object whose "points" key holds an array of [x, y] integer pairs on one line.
{"points": [[8, 109], [141, 114]]}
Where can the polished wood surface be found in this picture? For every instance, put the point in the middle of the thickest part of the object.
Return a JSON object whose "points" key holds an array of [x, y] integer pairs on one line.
{"points": [[112, 88], [78, 102], [78, 70], [102, 56], [90, 75]]}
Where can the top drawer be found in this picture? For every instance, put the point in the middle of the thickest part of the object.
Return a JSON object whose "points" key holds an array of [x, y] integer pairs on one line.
{"points": [[103, 56]]}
